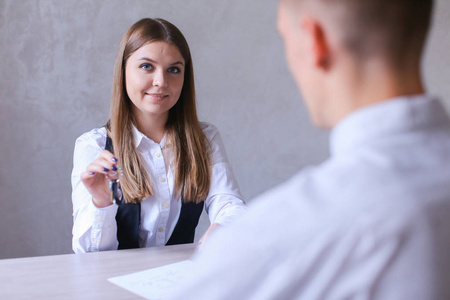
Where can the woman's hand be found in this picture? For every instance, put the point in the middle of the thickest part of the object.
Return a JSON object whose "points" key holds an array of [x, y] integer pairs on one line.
{"points": [[207, 234], [94, 179]]}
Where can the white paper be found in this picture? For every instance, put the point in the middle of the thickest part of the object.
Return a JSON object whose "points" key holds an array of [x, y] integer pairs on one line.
{"points": [[156, 283]]}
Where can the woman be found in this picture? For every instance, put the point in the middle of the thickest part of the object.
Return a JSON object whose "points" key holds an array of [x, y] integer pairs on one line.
{"points": [[168, 163]]}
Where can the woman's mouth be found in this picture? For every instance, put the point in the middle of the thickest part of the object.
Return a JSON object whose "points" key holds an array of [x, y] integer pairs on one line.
{"points": [[156, 96]]}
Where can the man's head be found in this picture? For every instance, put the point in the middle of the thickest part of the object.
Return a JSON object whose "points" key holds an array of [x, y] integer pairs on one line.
{"points": [[320, 35]]}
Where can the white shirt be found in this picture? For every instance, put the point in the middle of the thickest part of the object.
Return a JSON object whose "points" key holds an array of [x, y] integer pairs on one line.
{"points": [[371, 222], [95, 229]]}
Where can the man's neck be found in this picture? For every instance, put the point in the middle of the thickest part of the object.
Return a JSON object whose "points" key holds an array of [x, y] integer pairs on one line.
{"points": [[373, 84]]}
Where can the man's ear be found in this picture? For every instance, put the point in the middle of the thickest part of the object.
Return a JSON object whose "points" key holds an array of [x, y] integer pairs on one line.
{"points": [[317, 43]]}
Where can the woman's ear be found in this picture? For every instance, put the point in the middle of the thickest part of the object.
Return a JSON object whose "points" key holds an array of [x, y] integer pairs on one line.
{"points": [[317, 43]]}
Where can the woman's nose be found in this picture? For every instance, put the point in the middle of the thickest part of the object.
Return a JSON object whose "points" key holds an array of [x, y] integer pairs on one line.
{"points": [[159, 79]]}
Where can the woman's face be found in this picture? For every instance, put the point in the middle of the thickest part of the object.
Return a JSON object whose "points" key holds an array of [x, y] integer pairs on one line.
{"points": [[154, 76]]}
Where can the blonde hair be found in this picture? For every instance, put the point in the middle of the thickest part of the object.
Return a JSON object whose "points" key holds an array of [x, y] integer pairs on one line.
{"points": [[184, 134]]}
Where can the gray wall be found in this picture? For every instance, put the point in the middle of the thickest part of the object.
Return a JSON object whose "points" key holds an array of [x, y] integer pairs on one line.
{"points": [[56, 62]]}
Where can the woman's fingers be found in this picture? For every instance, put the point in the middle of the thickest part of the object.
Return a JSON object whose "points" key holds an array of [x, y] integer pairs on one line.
{"points": [[113, 171], [106, 164], [107, 161], [96, 178], [108, 156]]}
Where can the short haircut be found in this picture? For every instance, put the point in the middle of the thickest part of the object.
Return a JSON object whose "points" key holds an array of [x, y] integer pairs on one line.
{"points": [[391, 28]]}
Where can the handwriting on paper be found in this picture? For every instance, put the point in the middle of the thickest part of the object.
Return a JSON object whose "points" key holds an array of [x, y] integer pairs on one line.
{"points": [[156, 283]]}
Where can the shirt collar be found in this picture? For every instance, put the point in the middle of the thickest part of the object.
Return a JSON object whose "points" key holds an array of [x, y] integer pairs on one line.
{"points": [[139, 138], [389, 117]]}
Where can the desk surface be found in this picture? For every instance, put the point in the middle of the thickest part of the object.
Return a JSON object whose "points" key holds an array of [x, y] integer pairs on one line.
{"points": [[81, 276]]}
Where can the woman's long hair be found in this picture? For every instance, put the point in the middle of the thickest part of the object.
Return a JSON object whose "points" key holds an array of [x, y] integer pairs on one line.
{"points": [[183, 132]]}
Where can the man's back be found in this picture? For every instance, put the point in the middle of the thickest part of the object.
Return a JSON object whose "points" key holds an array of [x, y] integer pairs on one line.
{"points": [[373, 221], [383, 199], [370, 223]]}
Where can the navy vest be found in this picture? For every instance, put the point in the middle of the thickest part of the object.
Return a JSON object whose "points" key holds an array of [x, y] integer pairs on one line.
{"points": [[128, 219]]}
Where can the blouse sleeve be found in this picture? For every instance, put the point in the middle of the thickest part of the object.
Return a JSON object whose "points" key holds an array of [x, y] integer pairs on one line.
{"points": [[224, 201], [94, 229]]}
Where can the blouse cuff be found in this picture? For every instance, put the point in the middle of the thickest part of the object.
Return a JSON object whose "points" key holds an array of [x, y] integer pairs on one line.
{"points": [[103, 217]]}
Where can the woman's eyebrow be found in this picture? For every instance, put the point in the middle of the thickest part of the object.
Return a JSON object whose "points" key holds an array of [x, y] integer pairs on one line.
{"points": [[153, 61]]}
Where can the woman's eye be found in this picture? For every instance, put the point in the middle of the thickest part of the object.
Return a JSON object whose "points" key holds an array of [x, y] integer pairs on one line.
{"points": [[174, 70], [146, 67]]}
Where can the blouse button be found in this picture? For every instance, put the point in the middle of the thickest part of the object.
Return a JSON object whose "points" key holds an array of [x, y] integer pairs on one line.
{"points": [[158, 154], [165, 205], [160, 229], [162, 179]]}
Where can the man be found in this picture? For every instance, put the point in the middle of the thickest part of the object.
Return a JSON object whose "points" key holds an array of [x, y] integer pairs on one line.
{"points": [[373, 221]]}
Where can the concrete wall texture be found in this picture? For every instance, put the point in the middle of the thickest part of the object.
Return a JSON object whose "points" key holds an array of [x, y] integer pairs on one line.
{"points": [[56, 62]]}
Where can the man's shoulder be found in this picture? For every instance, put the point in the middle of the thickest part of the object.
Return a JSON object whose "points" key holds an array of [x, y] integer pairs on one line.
{"points": [[345, 194], [294, 196]]}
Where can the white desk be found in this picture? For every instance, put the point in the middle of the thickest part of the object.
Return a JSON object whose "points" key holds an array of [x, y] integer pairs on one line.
{"points": [[81, 276]]}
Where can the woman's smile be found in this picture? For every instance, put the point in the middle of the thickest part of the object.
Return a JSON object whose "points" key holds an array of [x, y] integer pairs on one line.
{"points": [[157, 96]]}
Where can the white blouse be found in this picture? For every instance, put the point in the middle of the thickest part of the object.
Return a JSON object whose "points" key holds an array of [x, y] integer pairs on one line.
{"points": [[95, 229]]}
